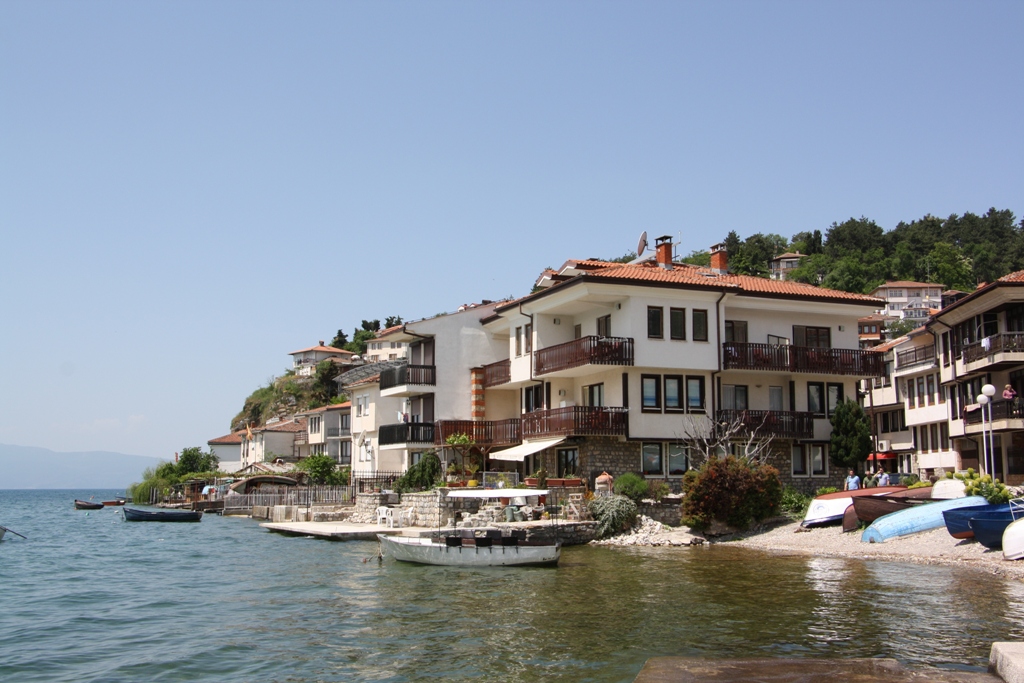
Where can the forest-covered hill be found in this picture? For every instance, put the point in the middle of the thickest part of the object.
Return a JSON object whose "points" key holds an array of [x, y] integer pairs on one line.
{"points": [[857, 255]]}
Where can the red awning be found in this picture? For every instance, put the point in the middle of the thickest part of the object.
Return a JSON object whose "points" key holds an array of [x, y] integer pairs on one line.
{"points": [[882, 456]]}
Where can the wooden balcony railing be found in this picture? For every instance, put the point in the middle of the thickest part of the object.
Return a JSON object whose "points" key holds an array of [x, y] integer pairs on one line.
{"points": [[920, 354], [576, 421], [786, 358], [1002, 409], [483, 432], [408, 374], [997, 343], [406, 432], [497, 373], [584, 351], [781, 423]]}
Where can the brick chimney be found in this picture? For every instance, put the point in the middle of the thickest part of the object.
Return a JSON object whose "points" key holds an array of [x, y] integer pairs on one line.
{"points": [[663, 248], [719, 259]]}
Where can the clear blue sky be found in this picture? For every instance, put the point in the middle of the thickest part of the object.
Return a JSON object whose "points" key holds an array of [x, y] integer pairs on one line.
{"points": [[190, 190]]}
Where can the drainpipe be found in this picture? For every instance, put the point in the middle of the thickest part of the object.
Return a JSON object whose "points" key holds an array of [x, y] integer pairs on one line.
{"points": [[532, 378], [718, 342]]}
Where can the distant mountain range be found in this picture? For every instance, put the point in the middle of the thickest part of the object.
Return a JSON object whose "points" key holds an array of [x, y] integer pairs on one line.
{"points": [[28, 467]]}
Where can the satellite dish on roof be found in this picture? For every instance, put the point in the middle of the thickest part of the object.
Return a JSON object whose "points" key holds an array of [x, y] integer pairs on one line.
{"points": [[641, 246]]}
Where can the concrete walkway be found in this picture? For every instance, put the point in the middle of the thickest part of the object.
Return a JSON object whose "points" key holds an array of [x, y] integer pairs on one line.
{"points": [[336, 531], [690, 670]]}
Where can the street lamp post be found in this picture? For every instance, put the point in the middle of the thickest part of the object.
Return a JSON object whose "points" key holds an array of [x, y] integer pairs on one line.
{"points": [[988, 442]]}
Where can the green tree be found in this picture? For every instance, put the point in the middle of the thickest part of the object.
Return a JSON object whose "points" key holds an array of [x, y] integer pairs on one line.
{"points": [[851, 435], [948, 264], [192, 460], [897, 328], [854, 237], [812, 269], [849, 274], [340, 340], [392, 321], [324, 387], [698, 258], [625, 258], [322, 469]]}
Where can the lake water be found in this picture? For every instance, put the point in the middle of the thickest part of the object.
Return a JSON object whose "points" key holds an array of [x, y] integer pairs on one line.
{"points": [[91, 598]]}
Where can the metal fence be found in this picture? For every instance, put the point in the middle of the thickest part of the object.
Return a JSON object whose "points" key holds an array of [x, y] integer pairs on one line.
{"points": [[299, 495], [366, 482]]}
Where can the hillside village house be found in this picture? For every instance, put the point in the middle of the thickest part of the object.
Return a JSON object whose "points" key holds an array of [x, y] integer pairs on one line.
{"points": [[228, 449], [279, 439], [980, 340], [329, 432], [304, 361], [381, 349], [616, 367], [780, 266], [368, 412], [906, 299]]}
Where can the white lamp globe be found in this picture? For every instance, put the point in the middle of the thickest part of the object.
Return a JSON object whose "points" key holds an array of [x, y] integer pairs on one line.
{"points": [[988, 390], [982, 399]]}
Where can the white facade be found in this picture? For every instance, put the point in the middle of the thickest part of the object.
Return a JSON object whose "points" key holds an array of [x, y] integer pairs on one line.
{"points": [[913, 300]]}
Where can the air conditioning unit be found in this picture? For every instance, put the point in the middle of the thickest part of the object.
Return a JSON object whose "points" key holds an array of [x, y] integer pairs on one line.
{"points": [[884, 445]]}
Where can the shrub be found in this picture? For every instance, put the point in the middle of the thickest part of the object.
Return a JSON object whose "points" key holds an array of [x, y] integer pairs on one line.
{"points": [[733, 491], [632, 486], [920, 485], [793, 502], [613, 514], [824, 490], [422, 475], [992, 490], [909, 480], [658, 489]]}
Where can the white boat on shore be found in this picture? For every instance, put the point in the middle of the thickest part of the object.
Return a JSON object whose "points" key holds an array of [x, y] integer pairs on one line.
{"points": [[431, 551]]}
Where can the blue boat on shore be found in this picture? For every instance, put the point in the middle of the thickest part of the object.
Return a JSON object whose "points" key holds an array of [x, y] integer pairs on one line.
{"points": [[917, 519], [958, 522], [988, 529]]}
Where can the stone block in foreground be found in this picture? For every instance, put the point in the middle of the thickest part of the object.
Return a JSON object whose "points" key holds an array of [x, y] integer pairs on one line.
{"points": [[692, 670], [1007, 660]]}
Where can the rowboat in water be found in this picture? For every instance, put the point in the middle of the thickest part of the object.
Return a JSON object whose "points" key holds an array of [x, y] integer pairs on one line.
{"points": [[87, 505], [452, 552], [830, 507], [958, 522], [135, 515], [114, 503], [4, 530], [916, 519]]}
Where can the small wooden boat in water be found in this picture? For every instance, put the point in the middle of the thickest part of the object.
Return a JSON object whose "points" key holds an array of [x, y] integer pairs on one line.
{"points": [[135, 515], [113, 503], [4, 530], [86, 505], [454, 553], [830, 507], [915, 519]]}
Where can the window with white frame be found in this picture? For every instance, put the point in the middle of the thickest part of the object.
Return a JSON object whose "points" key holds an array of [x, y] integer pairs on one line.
{"points": [[678, 459]]}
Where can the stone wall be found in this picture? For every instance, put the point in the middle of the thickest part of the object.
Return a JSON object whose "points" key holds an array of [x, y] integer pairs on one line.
{"points": [[425, 507], [781, 458], [670, 513]]}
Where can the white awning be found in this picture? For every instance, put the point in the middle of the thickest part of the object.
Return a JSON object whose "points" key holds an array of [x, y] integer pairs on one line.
{"points": [[518, 453], [496, 493]]}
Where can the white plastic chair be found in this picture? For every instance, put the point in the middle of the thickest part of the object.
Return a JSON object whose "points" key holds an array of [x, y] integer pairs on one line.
{"points": [[383, 514]]}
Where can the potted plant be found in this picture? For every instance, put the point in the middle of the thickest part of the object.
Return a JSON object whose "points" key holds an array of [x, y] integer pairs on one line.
{"points": [[471, 470], [570, 478], [538, 479]]}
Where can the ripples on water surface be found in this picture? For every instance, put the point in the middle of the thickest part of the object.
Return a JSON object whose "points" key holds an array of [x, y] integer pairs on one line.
{"points": [[91, 598]]}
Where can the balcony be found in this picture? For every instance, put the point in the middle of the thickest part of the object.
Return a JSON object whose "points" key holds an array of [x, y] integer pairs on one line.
{"points": [[582, 352], [921, 354], [778, 423], [483, 432], [576, 421], [407, 380], [786, 358], [496, 374], [335, 432], [999, 349], [406, 433]]}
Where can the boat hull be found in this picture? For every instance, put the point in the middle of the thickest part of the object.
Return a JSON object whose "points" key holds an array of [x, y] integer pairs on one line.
{"points": [[945, 489], [988, 530], [426, 551], [831, 506], [2, 532], [1013, 541], [870, 508], [86, 505], [113, 503], [133, 515], [958, 522], [916, 519]]}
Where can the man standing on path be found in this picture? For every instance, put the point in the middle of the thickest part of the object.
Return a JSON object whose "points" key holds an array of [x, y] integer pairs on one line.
{"points": [[883, 478], [852, 482]]}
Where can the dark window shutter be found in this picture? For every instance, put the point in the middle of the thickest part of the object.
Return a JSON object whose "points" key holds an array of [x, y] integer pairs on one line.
{"points": [[799, 335]]}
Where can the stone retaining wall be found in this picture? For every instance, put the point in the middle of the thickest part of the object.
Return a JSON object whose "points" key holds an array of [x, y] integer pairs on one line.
{"points": [[669, 513]]}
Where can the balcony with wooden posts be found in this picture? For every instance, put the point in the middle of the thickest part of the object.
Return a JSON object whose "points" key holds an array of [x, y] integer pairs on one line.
{"points": [[408, 380], [563, 359], [783, 424], [496, 374], [575, 421], [406, 435], [995, 351], [914, 359], [483, 433], [788, 358]]}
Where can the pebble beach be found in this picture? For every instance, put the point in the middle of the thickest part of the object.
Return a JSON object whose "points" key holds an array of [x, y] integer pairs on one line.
{"points": [[784, 536]]}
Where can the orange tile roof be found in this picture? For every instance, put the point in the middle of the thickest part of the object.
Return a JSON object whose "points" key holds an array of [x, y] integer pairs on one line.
{"points": [[323, 349], [335, 406], [700, 276], [907, 283], [228, 439], [789, 255], [889, 345], [393, 328], [1017, 276], [297, 425], [372, 379]]}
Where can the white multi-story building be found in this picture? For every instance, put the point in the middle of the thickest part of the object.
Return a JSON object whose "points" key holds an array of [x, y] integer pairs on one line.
{"points": [[905, 299], [304, 361], [228, 449], [279, 439]]}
